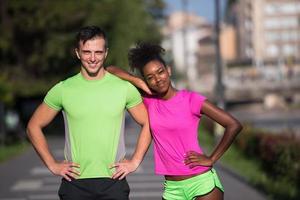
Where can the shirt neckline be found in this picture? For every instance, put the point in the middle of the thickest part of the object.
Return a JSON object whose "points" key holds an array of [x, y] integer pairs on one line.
{"points": [[106, 75], [173, 98]]}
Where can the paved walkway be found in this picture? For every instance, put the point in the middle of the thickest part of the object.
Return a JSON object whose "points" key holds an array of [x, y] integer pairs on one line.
{"points": [[26, 178]]}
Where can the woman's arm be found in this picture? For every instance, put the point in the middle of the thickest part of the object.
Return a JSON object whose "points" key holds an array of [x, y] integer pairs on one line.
{"points": [[232, 128], [136, 81]]}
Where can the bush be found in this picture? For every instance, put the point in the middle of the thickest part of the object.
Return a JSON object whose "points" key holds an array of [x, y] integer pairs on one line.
{"points": [[248, 141], [279, 157]]}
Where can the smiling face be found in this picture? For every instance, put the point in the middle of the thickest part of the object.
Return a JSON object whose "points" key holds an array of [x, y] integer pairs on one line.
{"points": [[157, 77], [92, 55]]}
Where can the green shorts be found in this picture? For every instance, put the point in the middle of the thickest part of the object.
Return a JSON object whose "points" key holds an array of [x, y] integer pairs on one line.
{"points": [[191, 188]]}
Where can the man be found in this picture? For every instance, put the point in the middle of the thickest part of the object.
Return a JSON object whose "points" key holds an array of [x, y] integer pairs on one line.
{"points": [[93, 104]]}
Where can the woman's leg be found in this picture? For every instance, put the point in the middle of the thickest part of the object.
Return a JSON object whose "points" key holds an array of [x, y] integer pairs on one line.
{"points": [[215, 194]]}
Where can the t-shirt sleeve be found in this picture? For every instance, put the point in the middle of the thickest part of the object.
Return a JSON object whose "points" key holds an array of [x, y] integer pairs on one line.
{"points": [[146, 100], [196, 102], [133, 97], [54, 97]]}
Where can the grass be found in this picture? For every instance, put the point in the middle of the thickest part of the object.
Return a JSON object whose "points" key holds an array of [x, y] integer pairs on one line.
{"points": [[12, 150]]}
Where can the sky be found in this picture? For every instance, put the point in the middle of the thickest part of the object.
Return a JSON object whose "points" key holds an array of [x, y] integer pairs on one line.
{"points": [[203, 8]]}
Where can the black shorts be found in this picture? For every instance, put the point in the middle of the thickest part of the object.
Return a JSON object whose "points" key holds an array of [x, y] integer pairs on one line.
{"points": [[94, 189]]}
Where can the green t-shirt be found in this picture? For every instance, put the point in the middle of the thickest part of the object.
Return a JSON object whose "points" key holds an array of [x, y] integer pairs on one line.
{"points": [[94, 113]]}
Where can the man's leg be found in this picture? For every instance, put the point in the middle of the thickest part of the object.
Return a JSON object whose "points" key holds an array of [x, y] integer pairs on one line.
{"points": [[94, 189], [112, 189], [74, 190]]}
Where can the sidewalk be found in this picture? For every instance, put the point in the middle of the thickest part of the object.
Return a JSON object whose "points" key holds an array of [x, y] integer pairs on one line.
{"points": [[26, 178]]}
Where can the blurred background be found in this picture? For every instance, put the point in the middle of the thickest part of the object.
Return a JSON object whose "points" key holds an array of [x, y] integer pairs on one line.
{"points": [[244, 55]]}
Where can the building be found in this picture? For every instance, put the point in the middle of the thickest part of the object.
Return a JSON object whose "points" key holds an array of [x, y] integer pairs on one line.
{"points": [[228, 43], [268, 30], [183, 34]]}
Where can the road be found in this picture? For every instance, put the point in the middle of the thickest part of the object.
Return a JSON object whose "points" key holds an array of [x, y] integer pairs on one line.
{"points": [[272, 121]]}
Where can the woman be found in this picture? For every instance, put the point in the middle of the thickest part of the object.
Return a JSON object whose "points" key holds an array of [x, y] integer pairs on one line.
{"points": [[174, 117]]}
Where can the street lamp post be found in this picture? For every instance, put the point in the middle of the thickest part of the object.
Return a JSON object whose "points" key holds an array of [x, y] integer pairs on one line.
{"points": [[219, 86], [184, 40]]}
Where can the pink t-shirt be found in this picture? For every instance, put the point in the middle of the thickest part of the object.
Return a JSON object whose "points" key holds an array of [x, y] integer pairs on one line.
{"points": [[174, 125]]}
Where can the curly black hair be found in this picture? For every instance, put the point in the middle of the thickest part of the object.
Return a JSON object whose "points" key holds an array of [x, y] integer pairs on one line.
{"points": [[143, 53]]}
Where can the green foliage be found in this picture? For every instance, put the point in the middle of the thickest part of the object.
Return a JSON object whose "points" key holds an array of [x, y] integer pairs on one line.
{"points": [[268, 161], [278, 156], [5, 95], [37, 38], [9, 151]]}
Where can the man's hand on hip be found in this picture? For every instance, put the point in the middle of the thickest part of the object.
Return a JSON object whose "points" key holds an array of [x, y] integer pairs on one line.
{"points": [[123, 168], [65, 169]]}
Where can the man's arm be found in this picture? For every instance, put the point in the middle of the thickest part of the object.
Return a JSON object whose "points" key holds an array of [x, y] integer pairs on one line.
{"points": [[140, 115], [41, 118], [136, 81]]}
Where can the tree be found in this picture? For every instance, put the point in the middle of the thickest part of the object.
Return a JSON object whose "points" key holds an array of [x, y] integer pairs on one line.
{"points": [[37, 37]]}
